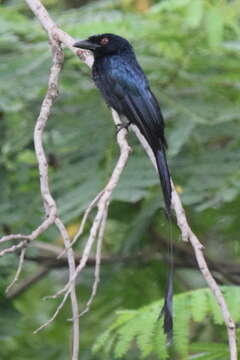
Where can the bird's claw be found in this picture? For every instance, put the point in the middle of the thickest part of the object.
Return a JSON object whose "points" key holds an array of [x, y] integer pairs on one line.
{"points": [[122, 126]]}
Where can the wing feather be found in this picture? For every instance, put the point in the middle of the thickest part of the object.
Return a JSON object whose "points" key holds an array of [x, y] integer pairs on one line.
{"points": [[126, 89]]}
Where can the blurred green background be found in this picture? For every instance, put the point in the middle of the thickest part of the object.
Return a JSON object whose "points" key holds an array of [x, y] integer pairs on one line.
{"points": [[190, 51]]}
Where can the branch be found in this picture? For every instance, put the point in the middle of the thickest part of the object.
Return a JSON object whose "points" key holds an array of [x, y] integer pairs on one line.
{"points": [[26, 283], [188, 235], [99, 220], [103, 199], [48, 201], [19, 269], [74, 302]]}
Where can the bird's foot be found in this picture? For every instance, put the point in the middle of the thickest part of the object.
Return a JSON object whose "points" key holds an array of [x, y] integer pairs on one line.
{"points": [[122, 126]]}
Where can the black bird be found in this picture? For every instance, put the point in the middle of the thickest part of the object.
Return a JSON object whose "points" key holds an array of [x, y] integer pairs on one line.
{"points": [[125, 88]]}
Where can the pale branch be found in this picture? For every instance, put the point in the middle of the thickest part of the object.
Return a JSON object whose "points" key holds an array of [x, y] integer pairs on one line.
{"points": [[28, 282], [83, 222], [13, 248], [104, 197], [102, 205], [53, 31], [74, 302], [19, 269], [14, 237], [98, 225], [53, 317], [48, 201], [35, 233], [188, 235], [97, 266]]}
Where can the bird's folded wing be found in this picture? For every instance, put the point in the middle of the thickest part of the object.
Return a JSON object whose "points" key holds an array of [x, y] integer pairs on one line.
{"points": [[129, 93]]}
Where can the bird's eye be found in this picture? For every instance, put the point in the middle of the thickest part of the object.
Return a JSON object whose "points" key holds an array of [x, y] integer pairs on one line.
{"points": [[104, 41]]}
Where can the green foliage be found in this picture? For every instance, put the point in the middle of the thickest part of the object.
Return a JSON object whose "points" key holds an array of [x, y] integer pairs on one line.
{"points": [[200, 106], [142, 327], [210, 351], [190, 53]]}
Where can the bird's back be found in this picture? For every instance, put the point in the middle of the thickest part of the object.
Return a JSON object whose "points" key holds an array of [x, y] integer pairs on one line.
{"points": [[125, 88]]}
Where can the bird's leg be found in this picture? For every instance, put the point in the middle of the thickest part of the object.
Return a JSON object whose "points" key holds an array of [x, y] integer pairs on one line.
{"points": [[123, 125]]}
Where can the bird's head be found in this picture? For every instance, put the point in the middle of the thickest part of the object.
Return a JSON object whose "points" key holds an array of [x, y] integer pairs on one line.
{"points": [[104, 44]]}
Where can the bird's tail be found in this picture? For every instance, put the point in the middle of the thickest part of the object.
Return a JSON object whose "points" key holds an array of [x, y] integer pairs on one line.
{"points": [[164, 178], [164, 175], [167, 309]]}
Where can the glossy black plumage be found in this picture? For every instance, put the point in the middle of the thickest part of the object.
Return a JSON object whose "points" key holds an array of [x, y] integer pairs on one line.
{"points": [[125, 88]]}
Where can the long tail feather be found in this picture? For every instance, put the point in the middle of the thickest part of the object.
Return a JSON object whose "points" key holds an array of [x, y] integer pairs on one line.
{"points": [[167, 311], [167, 194], [164, 178]]}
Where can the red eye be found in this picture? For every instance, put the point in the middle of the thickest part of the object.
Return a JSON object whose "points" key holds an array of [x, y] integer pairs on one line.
{"points": [[104, 41]]}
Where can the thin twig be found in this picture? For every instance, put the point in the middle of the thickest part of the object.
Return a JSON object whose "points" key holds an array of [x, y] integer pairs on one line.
{"points": [[13, 248], [83, 222], [97, 266], [49, 321], [19, 269], [102, 204], [14, 237], [74, 302], [29, 281]]}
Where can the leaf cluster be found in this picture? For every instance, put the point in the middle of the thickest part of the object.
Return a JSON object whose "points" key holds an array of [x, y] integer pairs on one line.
{"points": [[143, 329]]}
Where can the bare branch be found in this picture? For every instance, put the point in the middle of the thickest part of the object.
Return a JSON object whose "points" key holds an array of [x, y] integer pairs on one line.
{"points": [[19, 269], [71, 264], [97, 266], [14, 237], [26, 283], [59, 308], [13, 248], [188, 235], [83, 222], [102, 204]]}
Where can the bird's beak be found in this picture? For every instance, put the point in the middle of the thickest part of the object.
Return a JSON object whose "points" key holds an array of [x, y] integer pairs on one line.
{"points": [[86, 44]]}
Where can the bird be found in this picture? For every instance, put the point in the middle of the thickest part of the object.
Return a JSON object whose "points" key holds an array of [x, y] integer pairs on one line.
{"points": [[124, 86]]}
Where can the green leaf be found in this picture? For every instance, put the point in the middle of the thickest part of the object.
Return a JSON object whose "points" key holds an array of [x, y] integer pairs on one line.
{"points": [[143, 328], [28, 157], [215, 309], [194, 13], [180, 327], [199, 305], [210, 351], [180, 135], [144, 337], [214, 27], [169, 5], [126, 333], [159, 341]]}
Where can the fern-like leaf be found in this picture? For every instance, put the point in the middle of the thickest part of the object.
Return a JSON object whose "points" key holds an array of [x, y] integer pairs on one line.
{"points": [[199, 305], [144, 338], [181, 329], [159, 341], [143, 328]]}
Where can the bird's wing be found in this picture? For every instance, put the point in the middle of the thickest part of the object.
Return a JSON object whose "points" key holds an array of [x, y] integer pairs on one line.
{"points": [[126, 89]]}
